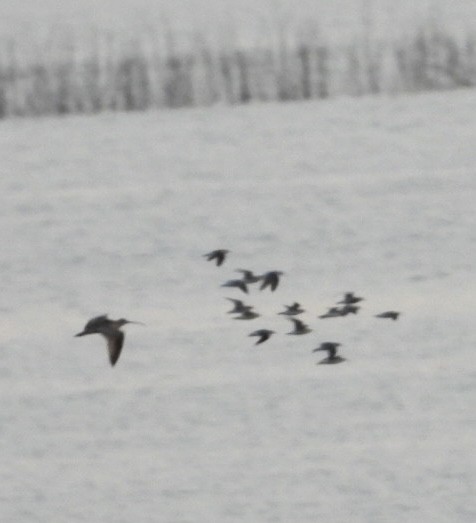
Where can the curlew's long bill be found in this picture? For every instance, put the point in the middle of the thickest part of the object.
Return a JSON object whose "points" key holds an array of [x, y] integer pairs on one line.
{"points": [[110, 329]]}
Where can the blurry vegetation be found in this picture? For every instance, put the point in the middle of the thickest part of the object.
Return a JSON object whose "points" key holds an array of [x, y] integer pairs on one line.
{"points": [[110, 73]]}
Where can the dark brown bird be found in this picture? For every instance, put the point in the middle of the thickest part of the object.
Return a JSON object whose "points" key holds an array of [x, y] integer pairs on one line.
{"points": [[238, 306], [263, 335], [110, 329], [249, 276], [333, 312], [240, 284], [299, 327], [218, 255], [271, 280], [331, 348], [247, 315], [292, 310], [349, 309], [392, 315], [350, 299]]}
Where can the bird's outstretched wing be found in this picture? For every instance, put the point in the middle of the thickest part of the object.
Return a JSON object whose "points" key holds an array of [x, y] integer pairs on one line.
{"points": [[115, 341]]}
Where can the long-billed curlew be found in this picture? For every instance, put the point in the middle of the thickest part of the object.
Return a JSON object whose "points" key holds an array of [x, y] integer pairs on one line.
{"points": [[110, 329]]}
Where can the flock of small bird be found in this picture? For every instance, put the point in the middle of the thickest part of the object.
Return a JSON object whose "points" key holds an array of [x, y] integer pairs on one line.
{"points": [[111, 329], [348, 305]]}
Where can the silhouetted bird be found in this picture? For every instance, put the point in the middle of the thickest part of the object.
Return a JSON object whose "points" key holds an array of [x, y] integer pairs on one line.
{"points": [[333, 312], [392, 315], [270, 279], [349, 309], [110, 329], [247, 315], [292, 310], [331, 348], [249, 276], [263, 334], [218, 255], [299, 327], [240, 284], [350, 299], [239, 306]]}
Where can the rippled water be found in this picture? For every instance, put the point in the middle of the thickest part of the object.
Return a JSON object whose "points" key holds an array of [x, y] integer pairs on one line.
{"points": [[112, 214]]}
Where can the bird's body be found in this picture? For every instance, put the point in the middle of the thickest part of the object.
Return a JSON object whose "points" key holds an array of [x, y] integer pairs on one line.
{"points": [[110, 329], [331, 348], [247, 314], [239, 284], [392, 315], [349, 309], [270, 279], [333, 312], [218, 255], [350, 299], [299, 327], [263, 335], [238, 306], [292, 310]]}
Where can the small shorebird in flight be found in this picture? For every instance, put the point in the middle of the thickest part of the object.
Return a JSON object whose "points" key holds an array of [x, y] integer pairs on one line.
{"points": [[350, 299], [247, 314], [240, 284], [263, 335], [333, 312], [110, 329], [271, 280], [392, 315], [349, 309], [238, 306], [249, 276], [218, 255], [292, 310], [331, 348], [299, 327]]}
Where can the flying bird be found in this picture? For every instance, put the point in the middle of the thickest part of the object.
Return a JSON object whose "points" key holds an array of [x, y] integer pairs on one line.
{"points": [[247, 315], [331, 348], [238, 306], [392, 315], [240, 284], [333, 312], [292, 310], [263, 335], [348, 309], [249, 276], [270, 279], [350, 299], [299, 327], [218, 255], [110, 329]]}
